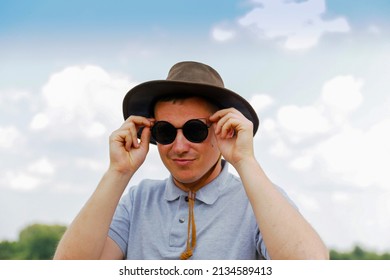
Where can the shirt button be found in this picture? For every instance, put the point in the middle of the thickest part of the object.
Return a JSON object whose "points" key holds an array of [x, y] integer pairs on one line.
{"points": [[181, 220]]}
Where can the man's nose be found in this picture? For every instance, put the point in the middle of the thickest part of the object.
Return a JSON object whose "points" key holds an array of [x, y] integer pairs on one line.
{"points": [[181, 143]]}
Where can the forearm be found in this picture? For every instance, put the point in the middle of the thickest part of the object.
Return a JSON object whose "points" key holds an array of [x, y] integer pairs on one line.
{"points": [[286, 233], [86, 236]]}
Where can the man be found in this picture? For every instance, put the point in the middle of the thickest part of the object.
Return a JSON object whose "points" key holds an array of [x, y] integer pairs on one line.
{"points": [[202, 211]]}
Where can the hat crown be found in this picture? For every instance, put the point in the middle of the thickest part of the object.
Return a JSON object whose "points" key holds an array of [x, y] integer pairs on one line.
{"points": [[195, 72]]}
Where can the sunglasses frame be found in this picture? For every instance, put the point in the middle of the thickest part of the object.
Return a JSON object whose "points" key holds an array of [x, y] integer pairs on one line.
{"points": [[184, 128]]}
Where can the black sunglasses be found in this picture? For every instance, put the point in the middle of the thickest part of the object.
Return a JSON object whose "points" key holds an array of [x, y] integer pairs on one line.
{"points": [[194, 130]]}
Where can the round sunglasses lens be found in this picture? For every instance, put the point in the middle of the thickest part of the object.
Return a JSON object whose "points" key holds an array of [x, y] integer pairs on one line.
{"points": [[195, 130], [163, 132]]}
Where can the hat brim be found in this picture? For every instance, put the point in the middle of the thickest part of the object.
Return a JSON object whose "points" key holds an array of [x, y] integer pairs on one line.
{"points": [[139, 101]]}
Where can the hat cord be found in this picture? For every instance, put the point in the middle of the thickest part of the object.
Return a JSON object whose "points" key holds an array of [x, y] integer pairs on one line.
{"points": [[191, 232]]}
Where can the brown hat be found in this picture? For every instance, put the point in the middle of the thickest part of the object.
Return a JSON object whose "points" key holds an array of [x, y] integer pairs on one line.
{"points": [[186, 78]]}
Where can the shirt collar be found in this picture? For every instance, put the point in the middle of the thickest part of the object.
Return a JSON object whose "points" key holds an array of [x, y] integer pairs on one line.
{"points": [[208, 194]]}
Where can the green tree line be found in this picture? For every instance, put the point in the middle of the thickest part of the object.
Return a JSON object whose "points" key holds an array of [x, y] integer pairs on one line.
{"points": [[39, 242], [36, 242], [358, 253]]}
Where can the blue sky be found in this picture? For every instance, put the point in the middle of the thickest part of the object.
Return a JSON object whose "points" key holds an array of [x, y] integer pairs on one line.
{"points": [[74, 17], [123, 16], [316, 72]]}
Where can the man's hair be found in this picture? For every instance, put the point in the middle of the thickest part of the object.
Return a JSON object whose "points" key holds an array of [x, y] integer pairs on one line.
{"points": [[174, 98]]}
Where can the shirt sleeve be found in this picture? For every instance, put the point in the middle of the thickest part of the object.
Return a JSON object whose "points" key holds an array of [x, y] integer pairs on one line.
{"points": [[261, 248], [120, 225]]}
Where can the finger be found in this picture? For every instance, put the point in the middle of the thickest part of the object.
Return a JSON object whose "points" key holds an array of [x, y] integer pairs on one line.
{"points": [[134, 142], [221, 113], [132, 125], [220, 117], [137, 122], [131, 135], [224, 123], [120, 137], [145, 137], [228, 127]]}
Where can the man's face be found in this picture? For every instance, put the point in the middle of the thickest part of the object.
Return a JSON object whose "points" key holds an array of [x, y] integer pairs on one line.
{"points": [[188, 162]]}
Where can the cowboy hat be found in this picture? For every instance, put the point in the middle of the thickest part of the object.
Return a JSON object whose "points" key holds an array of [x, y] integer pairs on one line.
{"points": [[186, 78]]}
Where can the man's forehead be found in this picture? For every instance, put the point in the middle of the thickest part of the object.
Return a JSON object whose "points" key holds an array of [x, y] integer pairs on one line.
{"points": [[194, 102]]}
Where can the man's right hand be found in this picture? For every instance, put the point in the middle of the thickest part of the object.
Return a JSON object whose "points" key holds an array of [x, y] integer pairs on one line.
{"points": [[86, 237], [127, 153]]}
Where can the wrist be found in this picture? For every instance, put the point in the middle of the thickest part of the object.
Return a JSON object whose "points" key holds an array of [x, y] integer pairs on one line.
{"points": [[119, 173], [247, 163]]}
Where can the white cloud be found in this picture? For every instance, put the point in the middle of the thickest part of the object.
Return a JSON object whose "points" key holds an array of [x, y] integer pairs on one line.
{"points": [[30, 177], [81, 101], [340, 197], [351, 156], [12, 96], [39, 121], [302, 163], [42, 166], [77, 106], [269, 125], [307, 202], [9, 137], [374, 29], [342, 94], [299, 24], [95, 129], [221, 34], [357, 156], [20, 181], [90, 164], [280, 149], [322, 136], [261, 101], [302, 121]]}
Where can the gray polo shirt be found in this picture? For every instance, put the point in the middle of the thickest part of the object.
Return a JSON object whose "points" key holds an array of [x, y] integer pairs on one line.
{"points": [[150, 221]]}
